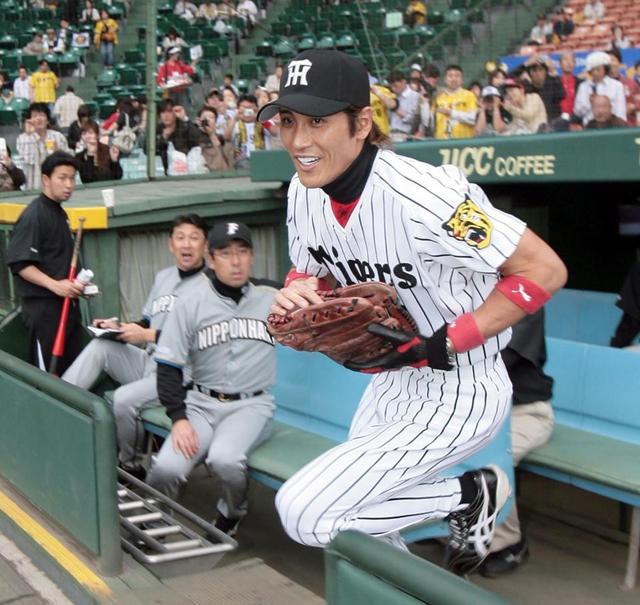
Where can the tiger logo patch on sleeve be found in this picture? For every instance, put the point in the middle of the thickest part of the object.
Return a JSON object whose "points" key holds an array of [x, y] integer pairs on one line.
{"points": [[470, 225]]}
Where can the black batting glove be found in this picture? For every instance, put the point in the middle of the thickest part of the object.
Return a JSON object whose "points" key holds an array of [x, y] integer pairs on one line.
{"points": [[413, 350]]}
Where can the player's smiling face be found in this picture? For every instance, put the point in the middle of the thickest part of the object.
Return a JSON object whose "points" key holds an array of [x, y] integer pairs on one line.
{"points": [[323, 148], [188, 245], [233, 263]]}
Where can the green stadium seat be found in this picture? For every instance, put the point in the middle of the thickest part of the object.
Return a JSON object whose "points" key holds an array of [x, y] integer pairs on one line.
{"points": [[454, 16], [306, 42], [107, 78], [264, 49], [133, 55], [242, 85], [327, 41], [407, 41], [107, 108], [11, 60], [279, 28], [458, 4], [30, 62], [475, 15], [436, 52], [8, 117], [435, 18], [346, 40], [260, 62], [128, 76], [466, 31], [8, 42], [249, 71], [297, 27], [284, 50]]}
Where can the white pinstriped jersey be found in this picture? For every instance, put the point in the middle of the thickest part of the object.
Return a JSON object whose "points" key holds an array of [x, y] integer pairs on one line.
{"points": [[423, 229]]}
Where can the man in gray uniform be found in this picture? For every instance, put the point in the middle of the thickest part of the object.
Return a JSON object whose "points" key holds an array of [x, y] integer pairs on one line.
{"points": [[221, 334], [130, 365]]}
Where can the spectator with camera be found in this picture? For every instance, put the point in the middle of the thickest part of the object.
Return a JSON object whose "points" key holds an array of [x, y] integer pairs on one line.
{"points": [[245, 133], [493, 118], [217, 153], [175, 130], [527, 109], [97, 161]]}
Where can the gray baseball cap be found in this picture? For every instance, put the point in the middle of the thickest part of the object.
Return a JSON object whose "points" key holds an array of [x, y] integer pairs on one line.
{"points": [[320, 82]]}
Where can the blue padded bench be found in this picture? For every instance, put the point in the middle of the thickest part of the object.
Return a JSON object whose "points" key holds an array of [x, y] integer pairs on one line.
{"points": [[315, 401], [595, 444], [582, 315]]}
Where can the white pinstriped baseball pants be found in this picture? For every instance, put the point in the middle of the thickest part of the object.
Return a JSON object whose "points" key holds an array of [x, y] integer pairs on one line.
{"points": [[410, 426]]}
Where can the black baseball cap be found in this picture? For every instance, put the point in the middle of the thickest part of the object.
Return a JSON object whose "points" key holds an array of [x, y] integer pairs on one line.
{"points": [[320, 82], [222, 234]]}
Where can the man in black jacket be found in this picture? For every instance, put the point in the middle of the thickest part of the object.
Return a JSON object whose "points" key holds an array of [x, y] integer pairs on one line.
{"points": [[175, 128], [39, 256]]}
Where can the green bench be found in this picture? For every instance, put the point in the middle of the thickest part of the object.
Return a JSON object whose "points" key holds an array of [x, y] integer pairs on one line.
{"points": [[595, 444], [315, 401]]}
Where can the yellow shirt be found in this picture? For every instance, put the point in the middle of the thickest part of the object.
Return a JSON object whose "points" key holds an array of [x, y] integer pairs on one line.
{"points": [[109, 28], [44, 86], [379, 109], [448, 127]]}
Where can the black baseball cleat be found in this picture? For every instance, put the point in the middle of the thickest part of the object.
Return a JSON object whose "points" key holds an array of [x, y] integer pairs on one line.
{"points": [[471, 529], [138, 471], [506, 560], [227, 526]]}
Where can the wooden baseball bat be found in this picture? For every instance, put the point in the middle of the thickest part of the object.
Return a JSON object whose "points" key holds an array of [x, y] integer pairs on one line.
{"points": [[59, 342]]}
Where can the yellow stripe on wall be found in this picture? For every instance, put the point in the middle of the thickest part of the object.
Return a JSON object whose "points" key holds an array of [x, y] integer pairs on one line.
{"points": [[63, 556], [95, 216]]}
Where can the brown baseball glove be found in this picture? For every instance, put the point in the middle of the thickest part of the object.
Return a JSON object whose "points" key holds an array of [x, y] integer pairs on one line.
{"points": [[338, 326]]}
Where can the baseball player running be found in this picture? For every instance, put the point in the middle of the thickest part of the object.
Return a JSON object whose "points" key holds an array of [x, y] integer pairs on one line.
{"points": [[129, 365], [463, 269], [221, 333]]}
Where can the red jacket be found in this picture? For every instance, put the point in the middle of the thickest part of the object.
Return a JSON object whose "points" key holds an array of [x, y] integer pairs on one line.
{"points": [[167, 70]]}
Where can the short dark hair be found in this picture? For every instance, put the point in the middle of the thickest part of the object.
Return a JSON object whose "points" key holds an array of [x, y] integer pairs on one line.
{"points": [[190, 219], [230, 76], [84, 111], [207, 108], [431, 71], [396, 76], [453, 67], [615, 52], [43, 62], [70, 89], [56, 159], [248, 98], [21, 66], [40, 108], [165, 105]]}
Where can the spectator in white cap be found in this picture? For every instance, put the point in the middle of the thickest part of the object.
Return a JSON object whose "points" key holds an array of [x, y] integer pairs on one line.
{"points": [[493, 118], [599, 83]]}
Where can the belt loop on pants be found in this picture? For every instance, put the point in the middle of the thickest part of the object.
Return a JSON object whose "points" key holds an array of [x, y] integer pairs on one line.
{"points": [[224, 397]]}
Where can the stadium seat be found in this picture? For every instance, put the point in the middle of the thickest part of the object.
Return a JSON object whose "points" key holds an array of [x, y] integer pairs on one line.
{"points": [[128, 76], [345, 40], [249, 71], [133, 55], [106, 109], [306, 42], [8, 117], [327, 41]]}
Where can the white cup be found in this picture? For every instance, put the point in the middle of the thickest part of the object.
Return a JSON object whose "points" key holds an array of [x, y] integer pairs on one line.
{"points": [[109, 197]]}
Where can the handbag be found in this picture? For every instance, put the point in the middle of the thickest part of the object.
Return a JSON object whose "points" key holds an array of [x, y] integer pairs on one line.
{"points": [[125, 138]]}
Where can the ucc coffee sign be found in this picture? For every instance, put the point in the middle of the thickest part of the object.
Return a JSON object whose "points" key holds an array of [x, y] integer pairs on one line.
{"points": [[485, 160]]}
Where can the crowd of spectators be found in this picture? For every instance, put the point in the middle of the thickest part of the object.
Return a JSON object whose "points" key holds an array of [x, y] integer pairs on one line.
{"points": [[536, 97]]}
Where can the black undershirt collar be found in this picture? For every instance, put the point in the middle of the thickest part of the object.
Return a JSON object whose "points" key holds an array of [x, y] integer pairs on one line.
{"points": [[235, 294], [349, 185], [190, 272]]}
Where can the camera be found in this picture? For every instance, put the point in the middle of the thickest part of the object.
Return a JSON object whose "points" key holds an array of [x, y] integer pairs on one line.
{"points": [[248, 112], [204, 122]]}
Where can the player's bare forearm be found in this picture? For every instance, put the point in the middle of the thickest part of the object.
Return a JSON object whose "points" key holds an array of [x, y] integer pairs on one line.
{"points": [[533, 260]]}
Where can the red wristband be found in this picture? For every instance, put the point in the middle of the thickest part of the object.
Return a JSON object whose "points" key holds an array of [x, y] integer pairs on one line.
{"points": [[464, 333], [523, 292], [323, 284]]}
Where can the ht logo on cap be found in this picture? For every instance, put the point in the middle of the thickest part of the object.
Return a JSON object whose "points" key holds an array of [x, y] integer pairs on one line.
{"points": [[298, 73], [232, 228]]}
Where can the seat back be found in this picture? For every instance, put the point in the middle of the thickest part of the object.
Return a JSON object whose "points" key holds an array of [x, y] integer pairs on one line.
{"points": [[582, 315], [595, 388]]}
